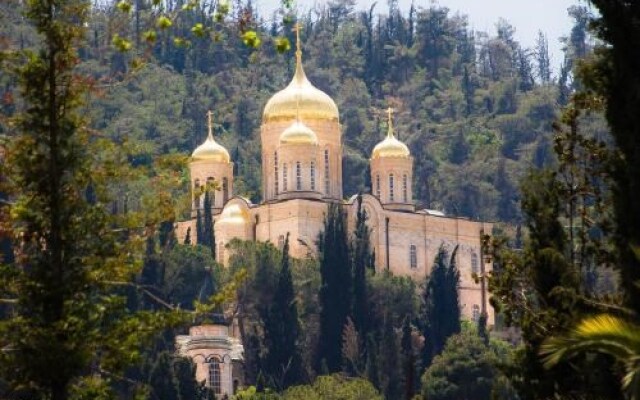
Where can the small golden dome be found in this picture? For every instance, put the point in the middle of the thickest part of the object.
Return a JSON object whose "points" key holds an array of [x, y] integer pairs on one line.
{"points": [[300, 94], [210, 150], [390, 146], [298, 133], [234, 214]]}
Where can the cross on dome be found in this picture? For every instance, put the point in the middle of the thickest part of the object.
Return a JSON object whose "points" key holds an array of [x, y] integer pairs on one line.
{"points": [[297, 28], [210, 123], [390, 122]]}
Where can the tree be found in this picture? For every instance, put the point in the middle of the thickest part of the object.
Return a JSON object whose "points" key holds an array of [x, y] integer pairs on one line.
{"points": [[282, 363], [362, 260], [334, 387], [440, 315], [336, 288], [466, 369], [614, 76], [68, 327], [209, 239], [162, 380]]}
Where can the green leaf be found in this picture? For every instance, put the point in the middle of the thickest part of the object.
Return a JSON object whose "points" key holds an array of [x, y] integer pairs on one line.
{"points": [[120, 43], [251, 39], [124, 6], [150, 36], [163, 22], [198, 30], [282, 44]]}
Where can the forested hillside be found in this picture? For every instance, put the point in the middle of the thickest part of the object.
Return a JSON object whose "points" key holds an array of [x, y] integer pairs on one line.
{"points": [[475, 108]]}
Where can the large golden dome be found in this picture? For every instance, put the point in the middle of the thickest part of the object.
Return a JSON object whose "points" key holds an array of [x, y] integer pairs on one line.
{"points": [[210, 150], [313, 102], [390, 146], [298, 133]]}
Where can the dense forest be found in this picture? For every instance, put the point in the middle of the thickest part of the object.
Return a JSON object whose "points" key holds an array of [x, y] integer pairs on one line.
{"points": [[475, 108], [102, 104]]}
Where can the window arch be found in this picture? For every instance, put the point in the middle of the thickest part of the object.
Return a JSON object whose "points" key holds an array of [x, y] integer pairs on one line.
{"points": [[275, 172], [298, 176], [405, 180], [215, 376], [413, 256], [312, 173], [326, 171], [378, 186], [391, 188], [284, 177]]}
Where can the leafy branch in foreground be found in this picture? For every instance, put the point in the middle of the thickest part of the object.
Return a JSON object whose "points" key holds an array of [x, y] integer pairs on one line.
{"points": [[603, 334]]}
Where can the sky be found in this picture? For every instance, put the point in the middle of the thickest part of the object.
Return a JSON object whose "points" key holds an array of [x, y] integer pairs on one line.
{"points": [[527, 16]]}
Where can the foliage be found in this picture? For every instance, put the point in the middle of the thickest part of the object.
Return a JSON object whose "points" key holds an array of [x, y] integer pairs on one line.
{"points": [[440, 314], [605, 334], [466, 368]]}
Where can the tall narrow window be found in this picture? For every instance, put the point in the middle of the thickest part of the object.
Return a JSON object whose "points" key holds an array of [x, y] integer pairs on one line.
{"points": [[312, 172], [474, 263], [220, 252], [326, 172], [391, 197], [225, 190], [215, 377], [284, 177], [475, 313], [413, 256], [378, 186], [404, 188], [281, 242], [298, 176], [275, 172]]}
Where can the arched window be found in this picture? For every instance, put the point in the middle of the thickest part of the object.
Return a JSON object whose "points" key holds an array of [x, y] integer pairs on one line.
{"points": [[284, 177], [378, 186], [326, 172], [474, 263], [215, 376], [475, 313], [404, 188], [275, 169], [413, 256], [298, 176], [391, 194], [312, 172], [225, 190]]}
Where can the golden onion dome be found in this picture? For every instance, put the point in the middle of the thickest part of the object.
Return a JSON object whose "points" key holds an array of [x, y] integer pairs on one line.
{"points": [[300, 94], [298, 133], [211, 150], [390, 146], [234, 214]]}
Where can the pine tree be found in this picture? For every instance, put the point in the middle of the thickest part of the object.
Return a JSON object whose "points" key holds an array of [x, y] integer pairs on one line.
{"points": [[335, 290], [440, 309], [283, 365]]}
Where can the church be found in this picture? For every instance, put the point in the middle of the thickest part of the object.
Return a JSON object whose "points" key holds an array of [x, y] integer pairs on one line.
{"points": [[302, 175]]}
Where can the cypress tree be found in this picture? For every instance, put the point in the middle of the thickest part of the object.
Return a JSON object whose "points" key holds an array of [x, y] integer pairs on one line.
{"points": [[150, 276], [408, 360], [335, 290], [185, 376], [162, 380], [199, 228], [390, 377], [362, 258], [187, 237], [283, 364], [207, 229], [440, 309]]}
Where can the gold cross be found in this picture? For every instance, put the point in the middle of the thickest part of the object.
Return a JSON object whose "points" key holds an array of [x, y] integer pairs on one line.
{"points": [[297, 28], [389, 112], [210, 122]]}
